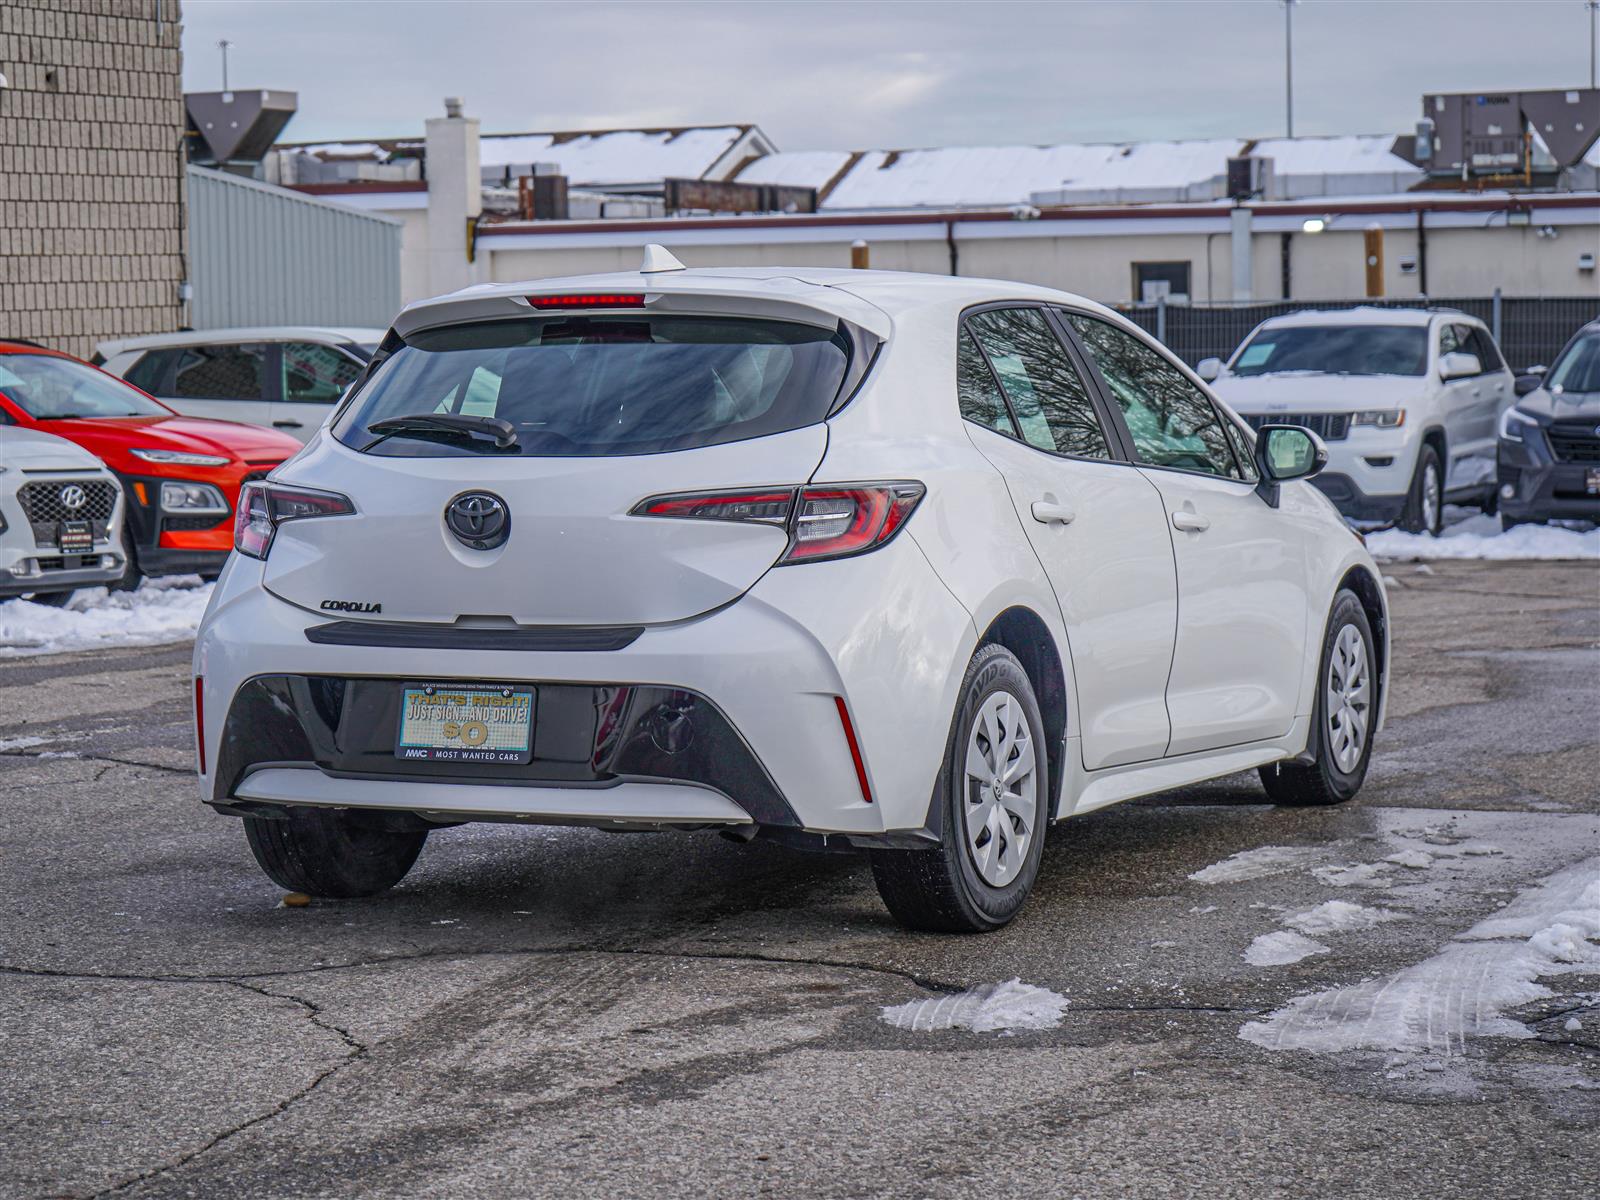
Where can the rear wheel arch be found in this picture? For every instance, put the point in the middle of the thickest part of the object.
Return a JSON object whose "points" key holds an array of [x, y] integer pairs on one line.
{"points": [[1023, 632]]}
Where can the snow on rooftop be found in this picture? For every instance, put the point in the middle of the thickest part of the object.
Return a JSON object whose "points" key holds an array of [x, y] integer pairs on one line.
{"points": [[1343, 154], [618, 156], [797, 168]]}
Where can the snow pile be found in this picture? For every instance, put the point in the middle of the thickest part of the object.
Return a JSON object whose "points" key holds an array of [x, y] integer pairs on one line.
{"points": [[162, 610], [1480, 536], [1254, 864], [1463, 990], [983, 1009], [1339, 916], [1280, 948], [1416, 860]]}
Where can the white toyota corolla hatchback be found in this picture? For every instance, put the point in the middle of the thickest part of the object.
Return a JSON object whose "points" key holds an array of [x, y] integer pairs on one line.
{"points": [[903, 563]]}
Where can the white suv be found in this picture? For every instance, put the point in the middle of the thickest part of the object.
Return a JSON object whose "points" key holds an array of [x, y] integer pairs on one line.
{"points": [[1408, 401], [60, 518], [842, 558]]}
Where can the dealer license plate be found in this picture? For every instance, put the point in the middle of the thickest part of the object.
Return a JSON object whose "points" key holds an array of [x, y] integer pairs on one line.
{"points": [[1591, 481], [453, 723], [75, 537]]}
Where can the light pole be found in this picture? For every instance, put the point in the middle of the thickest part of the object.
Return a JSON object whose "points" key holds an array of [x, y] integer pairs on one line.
{"points": [[224, 46], [1288, 62], [1594, 7]]}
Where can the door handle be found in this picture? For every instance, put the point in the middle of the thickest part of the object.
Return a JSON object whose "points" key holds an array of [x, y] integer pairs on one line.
{"points": [[1052, 514], [287, 425], [1192, 522]]}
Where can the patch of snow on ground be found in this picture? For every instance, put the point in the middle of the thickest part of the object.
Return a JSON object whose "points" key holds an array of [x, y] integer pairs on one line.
{"points": [[1339, 916], [1480, 536], [1417, 860], [7, 745], [162, 610], [1462, 991], [984, 1009], [1353, 875], [1280, 948], [1254, 864]]}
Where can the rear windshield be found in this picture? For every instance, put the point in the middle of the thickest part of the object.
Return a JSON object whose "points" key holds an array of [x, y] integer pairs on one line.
{"points": [[1578, 370], [1335, 350], [591, 386]]}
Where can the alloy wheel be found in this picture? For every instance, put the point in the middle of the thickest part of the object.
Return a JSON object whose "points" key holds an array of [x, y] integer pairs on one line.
{"points": [[1349, 704], [1001, 789], [1430, 498]]}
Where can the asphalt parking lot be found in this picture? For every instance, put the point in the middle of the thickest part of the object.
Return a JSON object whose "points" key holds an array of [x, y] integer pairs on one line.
{"points": [[567, 1012]]}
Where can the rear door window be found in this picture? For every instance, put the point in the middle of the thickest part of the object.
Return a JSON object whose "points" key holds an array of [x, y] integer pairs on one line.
{"points": [[230, 372], [1173, 422], [1047, 395], [591, 386]]}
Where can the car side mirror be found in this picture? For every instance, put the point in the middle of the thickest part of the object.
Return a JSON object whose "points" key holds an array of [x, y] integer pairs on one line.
{"points": [[1208, 368], [1458, 364], [1286, 452], [1528, 383]]}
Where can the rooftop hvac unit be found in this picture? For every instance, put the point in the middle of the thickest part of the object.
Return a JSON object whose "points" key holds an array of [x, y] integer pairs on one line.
{"points": [[1248, 177], [236, 127]]}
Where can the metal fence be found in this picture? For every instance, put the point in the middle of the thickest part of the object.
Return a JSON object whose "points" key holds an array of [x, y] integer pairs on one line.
{"points": [[1530, 330]]}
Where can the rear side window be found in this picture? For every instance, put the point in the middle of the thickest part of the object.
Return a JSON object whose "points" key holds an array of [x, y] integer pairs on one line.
{"points": [[1047, 396], [314, 374], [220, 373], [979, 395], [593, 386]]}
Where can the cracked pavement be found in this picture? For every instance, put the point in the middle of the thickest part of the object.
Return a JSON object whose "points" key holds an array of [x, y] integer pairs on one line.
{"points": [[569, 1012]]}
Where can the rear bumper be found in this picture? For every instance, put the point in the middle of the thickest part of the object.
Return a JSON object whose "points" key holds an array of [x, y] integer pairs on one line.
{"points": [[879, 631]]}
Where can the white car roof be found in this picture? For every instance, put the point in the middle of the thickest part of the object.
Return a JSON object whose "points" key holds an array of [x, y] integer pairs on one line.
{"points": [[869, 298], [249, 333], [1366, 314]]}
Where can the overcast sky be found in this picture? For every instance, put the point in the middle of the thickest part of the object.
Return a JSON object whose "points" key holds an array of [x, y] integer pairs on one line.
{"points": [[852, 74]]}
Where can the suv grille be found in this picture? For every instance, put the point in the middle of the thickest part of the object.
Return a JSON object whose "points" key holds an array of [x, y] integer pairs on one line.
{"points": [[45, 507], [1575, 441], [1330, 427]]}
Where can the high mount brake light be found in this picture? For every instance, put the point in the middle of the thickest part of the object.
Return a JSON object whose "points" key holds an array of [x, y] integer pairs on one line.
{"points": [[263, 507], [589, 300], [828, 521]]}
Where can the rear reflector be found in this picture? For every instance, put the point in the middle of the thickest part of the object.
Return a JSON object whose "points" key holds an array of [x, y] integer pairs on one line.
{"points": [[589, 300], [200, 721], [831, 521], [855, 749]]}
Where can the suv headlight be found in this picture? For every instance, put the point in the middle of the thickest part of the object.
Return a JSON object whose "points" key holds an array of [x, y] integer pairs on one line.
{"points": [[194, 499], [1516, 425], [1382, 418], [181, 458]]}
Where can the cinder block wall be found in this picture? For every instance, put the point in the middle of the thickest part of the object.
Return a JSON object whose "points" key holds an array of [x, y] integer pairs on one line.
{"points": [[92, 237]]}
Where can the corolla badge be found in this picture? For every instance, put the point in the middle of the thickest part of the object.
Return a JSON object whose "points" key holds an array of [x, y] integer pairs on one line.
{"points": [[480, 520]]}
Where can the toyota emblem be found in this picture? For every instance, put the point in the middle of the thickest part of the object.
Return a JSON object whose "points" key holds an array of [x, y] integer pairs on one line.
{"points": [[480, 520], [72, 496]]}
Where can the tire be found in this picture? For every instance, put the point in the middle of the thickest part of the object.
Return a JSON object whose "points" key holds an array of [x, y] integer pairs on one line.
{"points": [[962, 887], [325, 852], [1507, 524], [1419, 516], [132, 577], [1335, 774], [52, 599]]}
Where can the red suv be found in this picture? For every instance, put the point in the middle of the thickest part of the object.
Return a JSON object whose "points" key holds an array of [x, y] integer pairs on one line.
{"points": [[181, 474]]}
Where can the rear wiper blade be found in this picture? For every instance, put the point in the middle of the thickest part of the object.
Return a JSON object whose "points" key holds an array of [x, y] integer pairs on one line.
{"points": [[502, 431]]}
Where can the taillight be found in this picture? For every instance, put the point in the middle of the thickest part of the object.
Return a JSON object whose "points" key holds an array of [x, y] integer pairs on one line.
{"points": [[265, 506], [824, 522]]}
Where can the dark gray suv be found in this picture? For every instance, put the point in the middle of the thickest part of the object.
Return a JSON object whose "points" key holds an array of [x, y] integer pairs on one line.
{"points": [[1549, 452]]}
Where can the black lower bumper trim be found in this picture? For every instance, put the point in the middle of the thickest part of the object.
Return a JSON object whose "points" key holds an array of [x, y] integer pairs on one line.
{"points": [[451, 637], [1350, 500]]}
